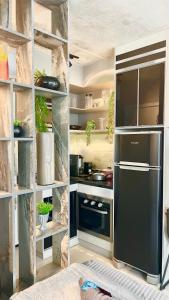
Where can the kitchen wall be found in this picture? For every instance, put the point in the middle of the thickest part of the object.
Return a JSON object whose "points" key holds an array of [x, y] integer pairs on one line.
{"points": [[100, 151]]}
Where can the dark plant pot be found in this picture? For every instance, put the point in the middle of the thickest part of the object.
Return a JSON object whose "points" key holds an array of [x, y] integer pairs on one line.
{"points": [[48, 82], [18, 131]]}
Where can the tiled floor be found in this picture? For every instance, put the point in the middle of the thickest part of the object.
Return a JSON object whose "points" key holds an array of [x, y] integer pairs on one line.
{"points": [[81, 254]]}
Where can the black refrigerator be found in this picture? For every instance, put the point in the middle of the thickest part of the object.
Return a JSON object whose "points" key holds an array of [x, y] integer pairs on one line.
{"points": [[138, 200]]}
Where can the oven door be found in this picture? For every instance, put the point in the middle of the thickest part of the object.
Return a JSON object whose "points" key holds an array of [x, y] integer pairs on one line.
{"points": [[94, 216]]}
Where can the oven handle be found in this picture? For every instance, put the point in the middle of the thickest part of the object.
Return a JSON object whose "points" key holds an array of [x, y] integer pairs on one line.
{"points": [[102, 212]]}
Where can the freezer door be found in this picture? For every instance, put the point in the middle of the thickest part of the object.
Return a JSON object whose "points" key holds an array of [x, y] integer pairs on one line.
{"points": [[138, 148], [138, 218]]}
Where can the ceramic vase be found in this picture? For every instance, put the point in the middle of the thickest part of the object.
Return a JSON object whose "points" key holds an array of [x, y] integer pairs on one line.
{"points": [[43, 219], [45, 158]]}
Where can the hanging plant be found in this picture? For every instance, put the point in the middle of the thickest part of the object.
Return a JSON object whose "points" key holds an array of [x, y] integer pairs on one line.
{"points": [[110, 118], [41, 113], [91, 125]]}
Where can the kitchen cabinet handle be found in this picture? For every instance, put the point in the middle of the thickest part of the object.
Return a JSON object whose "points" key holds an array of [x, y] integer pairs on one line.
{"points": [[134, 168], [102, 212]]}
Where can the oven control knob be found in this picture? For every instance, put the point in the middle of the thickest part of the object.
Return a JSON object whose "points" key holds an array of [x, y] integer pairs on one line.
{"points": [[100, 205], [92, 203], [85, 201]]}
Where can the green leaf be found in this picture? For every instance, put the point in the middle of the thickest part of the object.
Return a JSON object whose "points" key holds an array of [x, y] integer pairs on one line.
{"points": [[44, 208]]}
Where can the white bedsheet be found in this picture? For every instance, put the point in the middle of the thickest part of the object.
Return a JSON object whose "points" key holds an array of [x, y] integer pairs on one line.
{"points": [[65, 286]]}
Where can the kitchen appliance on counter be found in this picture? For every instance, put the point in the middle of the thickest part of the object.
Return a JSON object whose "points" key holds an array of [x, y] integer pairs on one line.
{"points": [[88, 167], [138, 201], [95, 216], [76, 165]]}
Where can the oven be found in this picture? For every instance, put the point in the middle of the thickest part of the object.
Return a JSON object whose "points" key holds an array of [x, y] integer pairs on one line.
{"points": [[95, 216]]}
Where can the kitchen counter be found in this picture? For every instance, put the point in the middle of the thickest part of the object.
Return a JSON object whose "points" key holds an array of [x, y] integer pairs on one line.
{"points": [[108, 184]]}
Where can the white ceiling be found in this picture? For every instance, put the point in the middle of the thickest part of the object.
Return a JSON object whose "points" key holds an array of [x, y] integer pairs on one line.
{"points": [[97, 26]]}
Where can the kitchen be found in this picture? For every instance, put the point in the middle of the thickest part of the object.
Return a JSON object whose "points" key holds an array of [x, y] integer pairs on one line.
{"points": [[137, 161], [91, 158]]}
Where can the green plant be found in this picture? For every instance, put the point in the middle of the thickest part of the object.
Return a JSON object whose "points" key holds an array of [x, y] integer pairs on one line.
{"points": [[110, 118], [44, 208], [38, 74], [41, 113], [90, 126], [17, 123]]}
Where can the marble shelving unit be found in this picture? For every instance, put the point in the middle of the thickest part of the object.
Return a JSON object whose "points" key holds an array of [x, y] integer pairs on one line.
{"points": [[19, 31]]}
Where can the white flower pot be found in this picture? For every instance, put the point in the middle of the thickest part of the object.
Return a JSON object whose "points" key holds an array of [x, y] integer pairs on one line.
{"points": [[43, 221], [45, 158]]}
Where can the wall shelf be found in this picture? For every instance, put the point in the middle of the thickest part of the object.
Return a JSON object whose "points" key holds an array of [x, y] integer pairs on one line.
{"points": [[88, 110], [48, 40], [12, 37], [57, 184], [4, 194], [52, 229], [83, 131], [22, 191]]}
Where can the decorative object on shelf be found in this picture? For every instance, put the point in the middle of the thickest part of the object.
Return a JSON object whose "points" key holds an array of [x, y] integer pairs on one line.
{"points": [[110, 118], [43, 213], [18, 129], [45, 143], [75, 127], [101, 123], [48, 82], [91, 125], [4, 70]]}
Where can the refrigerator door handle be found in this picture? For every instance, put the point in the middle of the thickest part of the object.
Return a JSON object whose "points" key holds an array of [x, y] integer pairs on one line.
{"points": [[134, 168], [131, 163]]}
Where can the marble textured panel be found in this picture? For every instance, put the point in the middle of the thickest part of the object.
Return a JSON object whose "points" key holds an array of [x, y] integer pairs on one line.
{"points": [[25, 167], [60, 115], [5, 166], [4, 13], [60, 65], [6, 249], [60, 20], [26, 240]]}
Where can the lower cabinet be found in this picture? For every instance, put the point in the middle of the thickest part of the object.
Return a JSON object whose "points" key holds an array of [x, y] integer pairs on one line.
{"points": [[73, 214]]}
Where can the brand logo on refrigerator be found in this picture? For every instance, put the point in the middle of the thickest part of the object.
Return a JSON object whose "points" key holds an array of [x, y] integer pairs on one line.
{"points": [[134, 143]]}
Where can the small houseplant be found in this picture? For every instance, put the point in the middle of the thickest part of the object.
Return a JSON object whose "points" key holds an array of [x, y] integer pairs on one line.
{"points": [[45, 143], [110, 118], [18, 129], [91, 125], [43, 213], [48, 82]]}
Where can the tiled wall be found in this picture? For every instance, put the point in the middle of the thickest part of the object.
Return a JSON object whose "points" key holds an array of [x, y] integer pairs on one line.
{"points": [[99, 152]]}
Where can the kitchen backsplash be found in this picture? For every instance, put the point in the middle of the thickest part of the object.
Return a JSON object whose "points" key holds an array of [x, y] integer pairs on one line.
{"points": [[99, 152]]}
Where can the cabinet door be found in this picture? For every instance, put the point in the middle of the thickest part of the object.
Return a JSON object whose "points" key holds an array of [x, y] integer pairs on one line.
{"points": [[151, 95], [137, 226], [126, 98], [73, 215]]}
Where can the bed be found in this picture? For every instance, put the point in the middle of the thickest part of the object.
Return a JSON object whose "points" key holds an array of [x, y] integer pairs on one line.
{"points": [[65, 285]]}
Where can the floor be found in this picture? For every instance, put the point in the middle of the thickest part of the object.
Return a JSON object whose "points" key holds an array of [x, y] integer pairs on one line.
{"points": [[81, 254]]}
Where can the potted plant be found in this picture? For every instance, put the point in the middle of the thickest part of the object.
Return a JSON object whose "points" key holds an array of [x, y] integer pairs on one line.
{"points": [[45, 143], [91, 125], [18, 129], [43, 213], [48, 82], [110, 121]]}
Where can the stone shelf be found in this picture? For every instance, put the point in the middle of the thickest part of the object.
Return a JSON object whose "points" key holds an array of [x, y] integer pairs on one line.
{"points": [[49, 93], [47, 40], [56, 184], [13, 38], [4, 194], [52, 229], [22, 191]]}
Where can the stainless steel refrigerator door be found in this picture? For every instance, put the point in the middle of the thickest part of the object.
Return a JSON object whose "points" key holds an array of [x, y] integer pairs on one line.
{"points": [[137, 224], [138, 148]]}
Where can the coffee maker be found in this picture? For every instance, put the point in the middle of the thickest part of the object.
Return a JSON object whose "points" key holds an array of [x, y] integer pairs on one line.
{"points": [[76, 165]]}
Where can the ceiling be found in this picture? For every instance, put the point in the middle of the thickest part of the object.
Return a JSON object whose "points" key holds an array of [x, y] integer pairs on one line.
{"points": [[98, 26]]}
